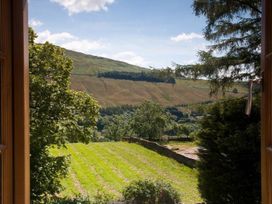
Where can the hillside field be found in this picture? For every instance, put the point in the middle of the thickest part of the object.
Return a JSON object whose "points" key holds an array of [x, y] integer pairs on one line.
{"points": [[111, 92], [111, 166], [90, 65]]}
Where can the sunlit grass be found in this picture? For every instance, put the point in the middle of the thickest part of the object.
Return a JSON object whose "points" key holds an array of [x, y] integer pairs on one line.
{"points": [[109, 167]]}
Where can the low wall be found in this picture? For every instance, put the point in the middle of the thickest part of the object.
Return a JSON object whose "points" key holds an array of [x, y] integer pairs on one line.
{"points": [[177, 138], [163, 151]]}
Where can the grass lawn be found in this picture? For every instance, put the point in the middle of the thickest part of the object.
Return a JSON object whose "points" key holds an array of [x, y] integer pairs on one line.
{"points": [[111, 166]]}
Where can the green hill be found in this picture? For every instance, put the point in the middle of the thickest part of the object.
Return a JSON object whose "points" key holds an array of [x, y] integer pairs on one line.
{"points": [[109, 167], [111, 92], [91, 65]]}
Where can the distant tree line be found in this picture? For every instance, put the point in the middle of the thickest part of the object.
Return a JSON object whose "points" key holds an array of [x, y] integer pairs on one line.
{"points": [[118, 122], [156, 76], [116, 110]]}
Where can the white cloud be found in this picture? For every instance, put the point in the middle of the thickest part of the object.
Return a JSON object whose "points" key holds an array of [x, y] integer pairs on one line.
{"points": [[54, 38], [84, 46], [69, 41], [77, 6], [186, 37], [130, 57], [35, 23]]}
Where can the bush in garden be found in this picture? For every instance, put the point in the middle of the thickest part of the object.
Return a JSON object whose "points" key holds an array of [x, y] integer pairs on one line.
{"points": [[76, 200], [229, 166], [150, 192], [100, 198]]}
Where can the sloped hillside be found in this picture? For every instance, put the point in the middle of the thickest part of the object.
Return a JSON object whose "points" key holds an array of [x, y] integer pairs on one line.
{"points": [[110, 92], [91, 65]]}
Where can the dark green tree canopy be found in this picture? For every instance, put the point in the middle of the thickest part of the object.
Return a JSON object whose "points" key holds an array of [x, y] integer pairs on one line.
{"points": [[229, 165], [234, 30]]}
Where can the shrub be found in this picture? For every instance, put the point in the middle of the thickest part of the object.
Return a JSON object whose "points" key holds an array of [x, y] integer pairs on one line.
{"points": [[99, 198], [76, 200], [149, 192], [102, 198], [229, 166]]}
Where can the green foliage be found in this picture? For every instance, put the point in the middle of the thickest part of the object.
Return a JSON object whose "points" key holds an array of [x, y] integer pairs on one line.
{"points": [[83, 118], [229, 166], [99, 198], [235, 90], [234, 29], [116, 110], [149, 192], [102, 198], [58, 115], [76, 200], [118, 127], [150, 121]]}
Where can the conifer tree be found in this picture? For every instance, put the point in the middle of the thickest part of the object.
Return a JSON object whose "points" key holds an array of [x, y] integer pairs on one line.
{"points": [[234, 31]]}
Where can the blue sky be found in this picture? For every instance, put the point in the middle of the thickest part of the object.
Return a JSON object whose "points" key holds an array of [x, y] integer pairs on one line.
{"points": [[142, 32]]}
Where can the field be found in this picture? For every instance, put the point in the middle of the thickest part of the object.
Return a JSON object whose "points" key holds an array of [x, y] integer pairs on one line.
{"points": [[110, 92], [111, 166]]}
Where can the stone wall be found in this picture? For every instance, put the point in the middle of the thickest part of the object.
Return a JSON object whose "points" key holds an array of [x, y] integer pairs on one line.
{"points": [[164, 151]]}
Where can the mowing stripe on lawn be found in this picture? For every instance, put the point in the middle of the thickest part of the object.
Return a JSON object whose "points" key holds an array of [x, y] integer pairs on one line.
{"points": [[111, 182], [134, 161], [119, 167], [88, 181], [119, 157]]}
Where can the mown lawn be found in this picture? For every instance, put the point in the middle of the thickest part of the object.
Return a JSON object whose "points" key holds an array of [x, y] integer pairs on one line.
{"points": [[111, 166]]}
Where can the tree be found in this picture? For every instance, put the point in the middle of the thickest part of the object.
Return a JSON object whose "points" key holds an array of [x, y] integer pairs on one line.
{"points": [[118, 127], [229, 165], [58, 115], [150, 121], [234, 29]]}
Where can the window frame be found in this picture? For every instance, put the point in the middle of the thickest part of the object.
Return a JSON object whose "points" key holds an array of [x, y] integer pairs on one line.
{"points": [[266, 138], [20, 83], [6, 105], [15, 178]]}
